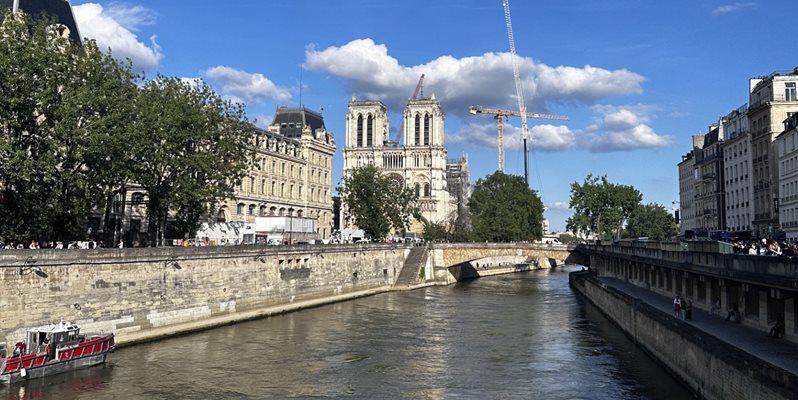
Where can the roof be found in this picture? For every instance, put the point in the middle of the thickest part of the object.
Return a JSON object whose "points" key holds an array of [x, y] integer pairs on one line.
{"points": [[60, 10], [293, 120]]}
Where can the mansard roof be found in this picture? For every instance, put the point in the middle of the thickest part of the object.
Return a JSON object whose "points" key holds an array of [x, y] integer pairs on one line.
{"points": [[59, 10], [292, 120]]}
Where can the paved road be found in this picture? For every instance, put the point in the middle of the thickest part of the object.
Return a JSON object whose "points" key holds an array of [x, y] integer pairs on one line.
{"points": [[778, 352]]}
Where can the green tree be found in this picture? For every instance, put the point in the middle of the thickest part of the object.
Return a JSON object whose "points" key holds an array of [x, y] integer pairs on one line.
{"points": [[652, 221], [191, 150], [64, 113], [435, 231], [601, 207], [503, 208], [376, 203]]}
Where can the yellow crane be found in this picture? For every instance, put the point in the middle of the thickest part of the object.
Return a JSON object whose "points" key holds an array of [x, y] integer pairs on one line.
{"points": [[500, 115]]}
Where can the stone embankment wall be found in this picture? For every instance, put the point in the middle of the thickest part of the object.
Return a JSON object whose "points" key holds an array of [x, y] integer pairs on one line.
{"points": [[142, 294], [713, 369]]}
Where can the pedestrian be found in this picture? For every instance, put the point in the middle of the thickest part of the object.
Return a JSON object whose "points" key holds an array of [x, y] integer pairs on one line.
{"points": [[688, 310], [677, 307], [778, 328], [715, 306]]}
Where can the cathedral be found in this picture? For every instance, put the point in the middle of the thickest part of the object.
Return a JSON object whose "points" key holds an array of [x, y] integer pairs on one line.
{"points": [[417, 161]]}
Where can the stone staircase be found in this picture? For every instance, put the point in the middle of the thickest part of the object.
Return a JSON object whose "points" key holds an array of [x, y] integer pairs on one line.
{"points": [[413, 264]]}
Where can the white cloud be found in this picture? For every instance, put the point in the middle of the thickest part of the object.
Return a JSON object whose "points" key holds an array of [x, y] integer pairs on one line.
{"points": [[547, 138], [262, 120], [728, 8], [558, 205], [623, 128], [131, 17], [370, 72], [97, 23], [245, 87]]}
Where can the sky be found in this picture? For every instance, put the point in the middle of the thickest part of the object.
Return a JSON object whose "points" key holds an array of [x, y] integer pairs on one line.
{"points": [[636, 78]]}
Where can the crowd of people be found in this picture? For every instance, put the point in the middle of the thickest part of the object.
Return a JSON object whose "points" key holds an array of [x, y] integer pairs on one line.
{"points": [[90, 244], [765, 247]]}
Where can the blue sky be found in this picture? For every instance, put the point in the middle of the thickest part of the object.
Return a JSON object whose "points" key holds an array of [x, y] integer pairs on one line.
{"points": [[637, 78]]}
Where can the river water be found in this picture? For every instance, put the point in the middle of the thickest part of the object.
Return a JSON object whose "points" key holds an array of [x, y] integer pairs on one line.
{"points": [[518, 336]]}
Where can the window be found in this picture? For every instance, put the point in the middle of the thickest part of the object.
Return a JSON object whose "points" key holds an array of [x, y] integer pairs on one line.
{"points": [[359, 140], [789, 92], [251, 210], [426, 130], [426, 190], [418, 130], [240, 209], [137, 198], [370, 131], [418, 190]]}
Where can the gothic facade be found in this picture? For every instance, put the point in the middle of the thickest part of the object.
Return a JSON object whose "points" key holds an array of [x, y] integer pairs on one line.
{"points": [[418, 161]]}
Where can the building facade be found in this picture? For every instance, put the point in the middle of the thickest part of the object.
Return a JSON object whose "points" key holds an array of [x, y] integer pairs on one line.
{"points": [[710, 199], [687, 180], [737, 165], [290, 174], [418, 162], [787, 150], [771, 98]]}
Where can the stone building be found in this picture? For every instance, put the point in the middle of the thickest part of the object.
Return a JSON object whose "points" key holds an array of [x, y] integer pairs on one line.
{"points": [[771, 99], [710, 199], [737, 165], [419, 162], [290, 174], [787, 150], [687, 180]]}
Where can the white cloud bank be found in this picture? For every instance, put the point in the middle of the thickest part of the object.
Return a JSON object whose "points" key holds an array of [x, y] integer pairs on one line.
{"points": [[246, 87], [113, 27], [370, 72]]}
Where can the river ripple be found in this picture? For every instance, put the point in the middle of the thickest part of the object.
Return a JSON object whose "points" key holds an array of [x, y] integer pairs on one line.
{"points": [[519, 336]]}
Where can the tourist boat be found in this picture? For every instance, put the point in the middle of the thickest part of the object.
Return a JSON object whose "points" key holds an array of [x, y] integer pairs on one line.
{"points": [[54, 349]]}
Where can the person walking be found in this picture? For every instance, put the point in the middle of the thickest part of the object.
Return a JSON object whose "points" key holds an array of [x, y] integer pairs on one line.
{"points": [[715, 306], [677, 307]]}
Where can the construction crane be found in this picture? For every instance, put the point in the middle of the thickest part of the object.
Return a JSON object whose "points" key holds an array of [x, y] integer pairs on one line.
{"points": [[500, 115], [519, 94], [419, 85]]}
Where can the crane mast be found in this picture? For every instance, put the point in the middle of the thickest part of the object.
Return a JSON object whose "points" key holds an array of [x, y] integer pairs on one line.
{"points": [[419, 85], [519, 91]]}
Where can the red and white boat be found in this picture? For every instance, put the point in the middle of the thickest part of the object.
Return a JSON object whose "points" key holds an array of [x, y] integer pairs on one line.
{"points": [[54, 349]]}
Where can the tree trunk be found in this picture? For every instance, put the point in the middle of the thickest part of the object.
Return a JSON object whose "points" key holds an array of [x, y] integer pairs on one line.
{"points": [[108, 234]]}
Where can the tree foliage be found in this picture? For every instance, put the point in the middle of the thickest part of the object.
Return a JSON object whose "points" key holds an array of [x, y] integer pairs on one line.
{"points": [[435, 232], [601, 207], [191, 149], [376, 203], [64, 112], [503, 208], [652, 221], [76, 126]]}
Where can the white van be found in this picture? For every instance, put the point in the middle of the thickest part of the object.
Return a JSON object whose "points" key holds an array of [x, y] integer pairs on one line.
{"points": [[550, 240]]}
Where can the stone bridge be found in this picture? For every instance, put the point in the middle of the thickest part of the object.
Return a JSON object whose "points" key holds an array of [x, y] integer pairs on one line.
{"points": [[461, 260]]}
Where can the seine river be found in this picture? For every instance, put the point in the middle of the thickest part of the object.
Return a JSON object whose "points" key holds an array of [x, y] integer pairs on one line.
{"points": [[518, 336]]}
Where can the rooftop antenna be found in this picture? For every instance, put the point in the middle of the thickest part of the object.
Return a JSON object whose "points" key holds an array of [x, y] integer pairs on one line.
{"points": [[300, 86], [15, 7]]}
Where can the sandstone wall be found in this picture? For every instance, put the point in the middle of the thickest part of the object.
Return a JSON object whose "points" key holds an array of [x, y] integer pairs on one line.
{"points": [[141, 294]]}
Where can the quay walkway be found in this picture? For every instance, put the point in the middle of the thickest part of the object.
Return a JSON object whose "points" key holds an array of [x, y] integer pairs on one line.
{"points": [[779, 352]]}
